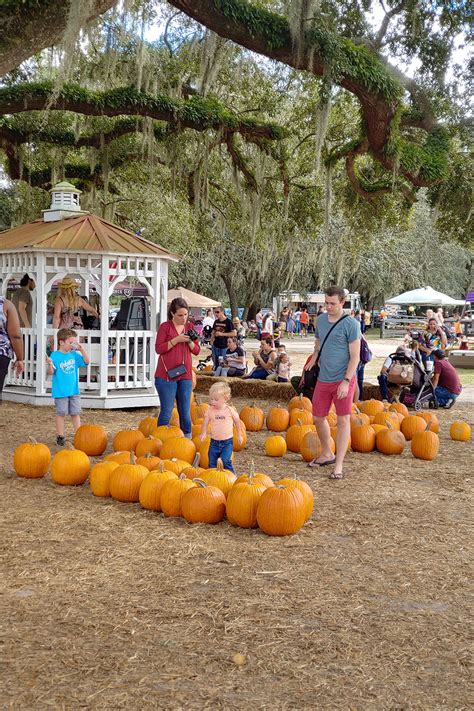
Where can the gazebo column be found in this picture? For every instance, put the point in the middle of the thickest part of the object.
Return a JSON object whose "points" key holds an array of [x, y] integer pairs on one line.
{"points": [[104, 326], [41, 324]]}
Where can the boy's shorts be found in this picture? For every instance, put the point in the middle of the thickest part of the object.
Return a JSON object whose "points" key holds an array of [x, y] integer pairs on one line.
{"points": [[326, 393], [68, 405]]}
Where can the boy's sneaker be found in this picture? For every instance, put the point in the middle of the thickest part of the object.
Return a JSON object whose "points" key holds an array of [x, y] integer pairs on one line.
{"points": [[61, 441]]}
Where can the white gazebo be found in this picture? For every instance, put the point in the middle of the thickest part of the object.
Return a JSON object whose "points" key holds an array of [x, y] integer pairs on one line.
{"points": [[98, 254]]}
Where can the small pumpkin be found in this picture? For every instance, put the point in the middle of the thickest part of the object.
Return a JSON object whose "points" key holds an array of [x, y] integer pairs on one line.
{"points": [[425, 444], [127, 440], [362, 439], [31, 459], [149, 445], [203, 503], [91, 439], [389, 440], [305, 417], [172, 494], [148, 461], [258, 476], [281, 510], [383, 418], [194, 471], [164, 432], [222, 478], [295, 433], [125, 481], [301, 402], [149, 494], [239, 446], [175, 465], [198, 410], [431, 419], [178, 448], [378, 428], [147, 425], [242, 501], [119, 457], [70, 467], [400, 408], [359, 419], [174, 419], [411, 424], [100, 478], [460, 431], [252, 417], [331, 419], [278, 419], [311, 446], [203, 449], [305, 489], [275, 446], [371, 407]]}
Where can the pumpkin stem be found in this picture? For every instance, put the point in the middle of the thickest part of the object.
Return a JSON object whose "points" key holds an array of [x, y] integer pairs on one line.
{"points": [[196, 460], [32, 440], [161, 467], [200, 482], [220, 465], [69, 445], [182, 476], [133, 459]]}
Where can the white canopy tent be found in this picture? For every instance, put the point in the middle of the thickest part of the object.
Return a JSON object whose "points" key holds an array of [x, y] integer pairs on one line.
{"points": [[192, 299], [425, 296]]}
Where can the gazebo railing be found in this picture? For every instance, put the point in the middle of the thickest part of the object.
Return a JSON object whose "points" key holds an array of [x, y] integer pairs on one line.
{"points": [[130, 360]]}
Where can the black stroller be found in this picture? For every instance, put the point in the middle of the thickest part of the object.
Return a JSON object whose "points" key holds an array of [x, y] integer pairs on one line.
{"points": [[206, 336], [420, 393]]}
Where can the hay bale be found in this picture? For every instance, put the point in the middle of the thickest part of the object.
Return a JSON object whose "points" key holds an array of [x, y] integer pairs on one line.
{"points": [[248, 389]]}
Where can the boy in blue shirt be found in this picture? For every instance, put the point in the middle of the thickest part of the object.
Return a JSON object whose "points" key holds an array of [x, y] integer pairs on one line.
{"points": [[64, 365]]}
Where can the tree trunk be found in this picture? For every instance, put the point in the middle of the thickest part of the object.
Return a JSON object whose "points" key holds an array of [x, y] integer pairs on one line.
{"points": [[232, 294]]}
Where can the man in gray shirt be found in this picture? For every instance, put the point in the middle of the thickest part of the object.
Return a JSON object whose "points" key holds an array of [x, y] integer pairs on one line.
{"points": [[337, 377]]}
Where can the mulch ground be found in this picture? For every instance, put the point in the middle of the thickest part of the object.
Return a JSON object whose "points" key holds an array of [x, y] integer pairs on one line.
{"points": [[107, 606]]}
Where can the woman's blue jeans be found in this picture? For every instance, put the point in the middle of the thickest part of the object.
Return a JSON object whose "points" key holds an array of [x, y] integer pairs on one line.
{"points": [[168, 392], [259, 374]]}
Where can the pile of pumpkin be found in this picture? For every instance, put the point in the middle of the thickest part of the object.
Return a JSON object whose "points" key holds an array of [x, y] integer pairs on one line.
{"points": [[160, 468], [374, 425]]}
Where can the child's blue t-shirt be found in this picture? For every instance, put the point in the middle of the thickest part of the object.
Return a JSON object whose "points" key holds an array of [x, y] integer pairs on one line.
{"points": [[66, 373]]}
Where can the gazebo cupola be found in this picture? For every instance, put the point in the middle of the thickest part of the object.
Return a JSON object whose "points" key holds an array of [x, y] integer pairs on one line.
{"points": [[98, 255], [64, 203]]}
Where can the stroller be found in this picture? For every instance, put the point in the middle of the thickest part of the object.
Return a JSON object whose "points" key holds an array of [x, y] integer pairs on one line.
{"points": [[418, 391], [206, 336]]}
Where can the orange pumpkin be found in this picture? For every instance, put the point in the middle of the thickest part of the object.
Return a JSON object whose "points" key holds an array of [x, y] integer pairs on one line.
{"points": [[203, 503], [149, 445], [100, 478], [278, 419], [164, 432], [383, 418], [148, 461], [127, 440], [301, 402], [174, 419], [311, 446], [305, 417], [263, 479], [362, 439], [203, 449], [425, 444], [194, 471], [400, 408], [179, 448], [305, 489], [91, 439], [125, 481], [70, 467], [175, 465], [332, 419], [378, 428], [295, 433], [31, 459], [460, 431], [172, 495], [431, 419], [372, 407], [119, 457], [275, 446], [412, 424], [281, 510], [147, 425], [198, 410], [390, 441], [151, 488], [359, 419], [252, 417], [222, 478], [242, 502], [238, 446]]}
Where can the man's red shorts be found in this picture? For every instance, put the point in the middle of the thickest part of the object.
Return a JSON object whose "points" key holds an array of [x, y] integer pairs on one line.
{"points": [[326, 393]]}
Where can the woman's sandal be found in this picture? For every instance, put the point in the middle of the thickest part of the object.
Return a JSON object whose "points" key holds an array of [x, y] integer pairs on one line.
{"points": [[336, 477], [314, 464]]}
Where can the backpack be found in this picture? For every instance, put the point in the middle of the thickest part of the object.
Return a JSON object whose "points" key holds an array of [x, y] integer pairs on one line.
{"points": [[366, 354]]}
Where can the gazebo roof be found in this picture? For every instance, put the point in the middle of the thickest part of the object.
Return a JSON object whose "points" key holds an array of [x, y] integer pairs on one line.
{"points": [[84, 233]]}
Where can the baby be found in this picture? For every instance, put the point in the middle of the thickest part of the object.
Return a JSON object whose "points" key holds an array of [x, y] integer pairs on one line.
{"points": [[222, 417]]}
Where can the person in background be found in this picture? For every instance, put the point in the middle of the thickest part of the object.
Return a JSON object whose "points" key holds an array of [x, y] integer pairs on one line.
{"points": [[240, 331], [439, 316], [222, 329], [23, 300], [290, 324], [264, 361], [233, 363], [304, 321], [282, 319], [297, 317], [457, 326], [11, 341], [363, 325], [464, 344], [208, 319], [174, 347], [383, 375], [267, 326], [445, 381], [222, 418], [258, 321], [64, 365], [433, 339], [68, 305], [282, 366]]}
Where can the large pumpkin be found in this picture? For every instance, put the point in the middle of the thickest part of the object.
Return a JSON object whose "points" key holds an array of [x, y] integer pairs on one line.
{"points": [[242, 502], [164, 432], [275, 446], [305, 417], [91, 439], [371, 407], [70, 467], [252, 417], [278, 419], [281, 510], [151, 487], [203, 503], [147, 425], [100, 478], [425, 444], [411, 424], [362, 439], [149, 445], [304, 488], [311, 446], [178, 448], [301, 402], [295, 433], [31, 459], [126, 480], [460, 431], [172, 494], [389, 440], [222, 478], [127, 440]]}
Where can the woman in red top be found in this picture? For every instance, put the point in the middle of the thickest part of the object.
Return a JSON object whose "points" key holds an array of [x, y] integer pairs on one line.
{"points": [[174, 347]]}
